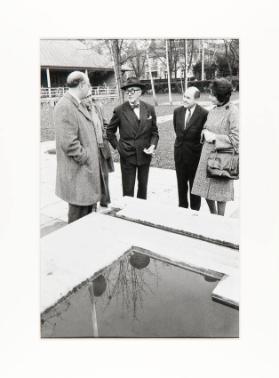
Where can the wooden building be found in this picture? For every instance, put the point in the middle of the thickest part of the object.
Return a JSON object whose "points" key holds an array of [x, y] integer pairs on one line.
{"points": [[60, 57]]}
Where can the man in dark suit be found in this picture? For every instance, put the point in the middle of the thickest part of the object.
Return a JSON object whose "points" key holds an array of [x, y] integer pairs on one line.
{"points": [[136, 121], [188, 121]]}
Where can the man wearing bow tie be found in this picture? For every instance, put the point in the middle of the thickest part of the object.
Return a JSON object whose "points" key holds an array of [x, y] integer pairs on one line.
{"points": [[136, 121], [188, 121]]}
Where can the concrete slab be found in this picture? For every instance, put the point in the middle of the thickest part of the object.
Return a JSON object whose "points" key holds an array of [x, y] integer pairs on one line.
{"points": [[74, 253], [228, 290], [58, 210], [44, 219], [52, 226], [209, 227]]}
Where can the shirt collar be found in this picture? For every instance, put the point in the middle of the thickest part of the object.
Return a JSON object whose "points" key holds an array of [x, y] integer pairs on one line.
{"points": [[137, 103], [192, 109]]}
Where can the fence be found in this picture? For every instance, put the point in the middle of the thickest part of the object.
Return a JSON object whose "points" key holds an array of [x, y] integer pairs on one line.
{"points": [[97, 92]]}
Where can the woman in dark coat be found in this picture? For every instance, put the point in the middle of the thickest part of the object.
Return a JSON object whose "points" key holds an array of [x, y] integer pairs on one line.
{"points": [[220, 131], [105, 157]]}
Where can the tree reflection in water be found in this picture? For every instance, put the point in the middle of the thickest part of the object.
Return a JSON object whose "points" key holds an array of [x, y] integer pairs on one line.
{"points": [[126, 281]]}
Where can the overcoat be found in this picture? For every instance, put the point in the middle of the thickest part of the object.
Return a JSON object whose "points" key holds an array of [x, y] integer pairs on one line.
{"points": [[78, 168], [105, 156], [223, 121], [135, 135]]}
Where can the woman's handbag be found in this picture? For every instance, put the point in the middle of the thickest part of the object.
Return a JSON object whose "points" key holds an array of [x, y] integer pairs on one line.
{"points": [[224, 164]]}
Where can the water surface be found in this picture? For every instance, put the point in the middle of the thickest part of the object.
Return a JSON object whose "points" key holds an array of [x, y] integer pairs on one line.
{"points": [[139, 296]]}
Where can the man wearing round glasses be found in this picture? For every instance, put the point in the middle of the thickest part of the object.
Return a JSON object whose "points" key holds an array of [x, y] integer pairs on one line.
{"points": [[136, 122]]}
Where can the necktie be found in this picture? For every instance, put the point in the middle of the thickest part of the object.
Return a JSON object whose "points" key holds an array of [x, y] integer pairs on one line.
{"points": [[134, 106], [187, 117]]}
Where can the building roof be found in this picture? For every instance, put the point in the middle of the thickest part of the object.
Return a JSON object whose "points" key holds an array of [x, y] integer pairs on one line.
{"points": [[69, 53]]}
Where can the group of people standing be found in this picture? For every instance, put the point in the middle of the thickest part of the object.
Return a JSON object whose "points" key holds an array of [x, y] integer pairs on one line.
{"points": [[84, 158]]}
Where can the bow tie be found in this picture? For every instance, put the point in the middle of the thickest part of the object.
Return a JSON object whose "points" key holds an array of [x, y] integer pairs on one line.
{"points": [[134, 106]]}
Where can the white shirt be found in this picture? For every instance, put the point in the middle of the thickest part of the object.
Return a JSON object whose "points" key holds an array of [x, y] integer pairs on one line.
{"points": [[137, 111], [188, 114]]}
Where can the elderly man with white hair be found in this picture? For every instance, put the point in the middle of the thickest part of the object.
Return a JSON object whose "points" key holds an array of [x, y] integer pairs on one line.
{"points": [[78, 169], [188, 121]]}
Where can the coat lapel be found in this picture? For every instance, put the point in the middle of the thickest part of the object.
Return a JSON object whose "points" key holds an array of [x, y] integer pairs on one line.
{"points": [[131, 117], [84, 111], [193, 118], [143, 117], [79, 106], [182, 118]]}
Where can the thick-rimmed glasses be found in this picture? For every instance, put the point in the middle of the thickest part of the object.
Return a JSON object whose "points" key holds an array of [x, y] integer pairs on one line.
{"points": [[131, 91]]}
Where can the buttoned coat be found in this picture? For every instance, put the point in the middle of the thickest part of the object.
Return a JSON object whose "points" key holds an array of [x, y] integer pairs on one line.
{"points": [[223, 122], [135, 135], [78, 169], [187, 147]]}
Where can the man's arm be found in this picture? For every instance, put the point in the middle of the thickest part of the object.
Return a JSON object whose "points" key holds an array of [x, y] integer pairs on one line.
{"points": [[112, 128], [155, 133], [174, 120], [66, 129]]}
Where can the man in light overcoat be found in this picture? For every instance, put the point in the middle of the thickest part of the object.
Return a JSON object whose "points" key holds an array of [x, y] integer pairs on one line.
{"points": [[78, 169]]}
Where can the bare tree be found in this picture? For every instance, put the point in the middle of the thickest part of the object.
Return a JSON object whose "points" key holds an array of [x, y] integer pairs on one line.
{"points": [[231, 54], [115, 46]]}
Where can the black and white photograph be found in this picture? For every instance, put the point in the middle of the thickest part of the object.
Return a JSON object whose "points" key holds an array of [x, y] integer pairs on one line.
{"points": [[139, 189], [139, 209]]}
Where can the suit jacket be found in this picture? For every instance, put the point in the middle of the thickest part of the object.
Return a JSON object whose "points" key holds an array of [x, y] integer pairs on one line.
{"points": [[187, 147], [78, 171], [135, 135]]}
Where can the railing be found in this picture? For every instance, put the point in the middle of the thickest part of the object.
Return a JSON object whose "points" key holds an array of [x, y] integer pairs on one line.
{"points": [[97, 92]]}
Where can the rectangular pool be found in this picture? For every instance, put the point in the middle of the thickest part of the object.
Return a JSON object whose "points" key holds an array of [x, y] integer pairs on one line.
{"points": [[142, 296]]}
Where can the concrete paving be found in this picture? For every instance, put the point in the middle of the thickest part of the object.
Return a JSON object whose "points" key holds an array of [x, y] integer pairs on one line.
{"points": [[67, 260], [162, 189], [75, 253], [203, 226]]}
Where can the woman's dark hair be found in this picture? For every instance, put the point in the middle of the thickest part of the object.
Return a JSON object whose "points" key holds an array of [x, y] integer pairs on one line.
{"points": [[222, 90]]}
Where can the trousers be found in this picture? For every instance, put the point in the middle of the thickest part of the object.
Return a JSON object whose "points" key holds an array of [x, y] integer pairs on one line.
{"points": [[185, 178], [129, 172], [76, 212]]}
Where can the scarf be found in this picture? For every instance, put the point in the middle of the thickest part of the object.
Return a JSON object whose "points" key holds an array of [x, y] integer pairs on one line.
{"points": [[97, 122]]}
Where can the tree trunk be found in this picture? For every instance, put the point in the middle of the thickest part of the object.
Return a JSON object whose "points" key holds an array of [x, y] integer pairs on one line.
{"points": [[185, 54], [151, 79], [191, 55], [168, 68], [228, 61], [202, 63], [115, 52]]}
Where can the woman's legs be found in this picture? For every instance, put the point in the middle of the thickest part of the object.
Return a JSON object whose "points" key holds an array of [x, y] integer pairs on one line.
{"points": [[212, 207], [221, 206]]}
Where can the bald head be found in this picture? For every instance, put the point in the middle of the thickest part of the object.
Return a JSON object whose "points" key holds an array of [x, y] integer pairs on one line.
{"points": [[75, 78], [79, 84], [190, 96], [193, 92]]}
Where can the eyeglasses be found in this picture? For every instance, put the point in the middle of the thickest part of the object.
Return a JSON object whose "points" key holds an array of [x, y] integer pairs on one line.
{"points": [[132, 91]]}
